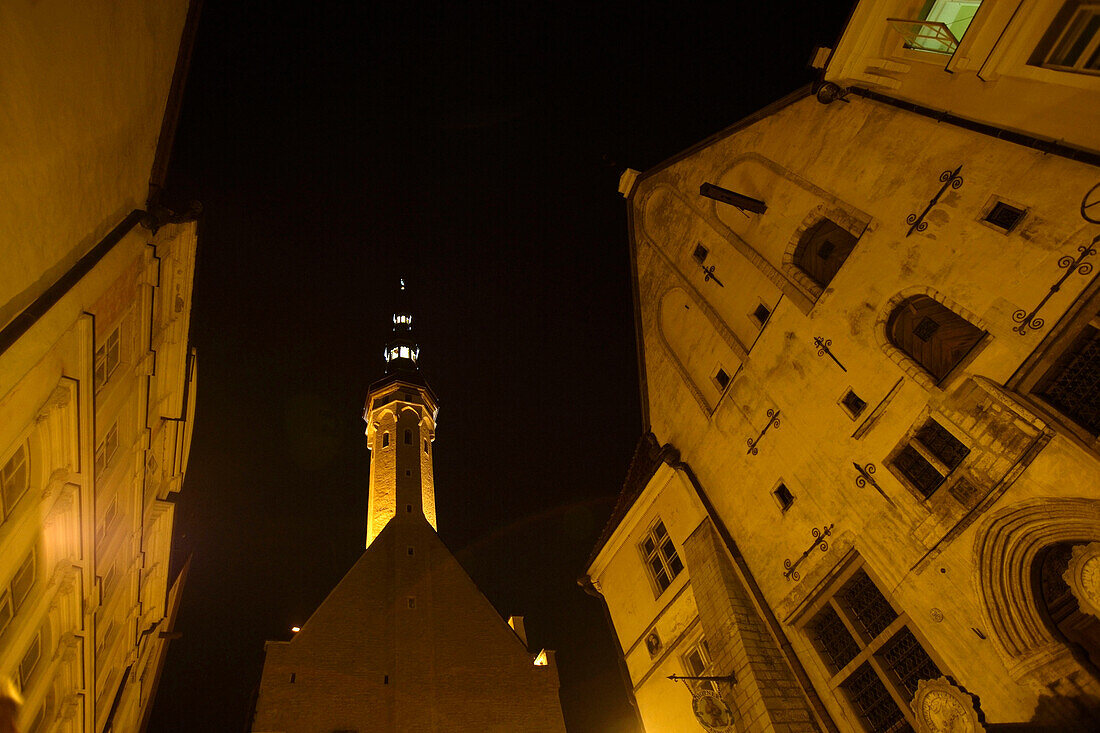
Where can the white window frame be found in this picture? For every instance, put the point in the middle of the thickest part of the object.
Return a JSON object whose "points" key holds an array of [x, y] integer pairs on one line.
{"points": [[659, 541], [7, 506], [108, 357]]}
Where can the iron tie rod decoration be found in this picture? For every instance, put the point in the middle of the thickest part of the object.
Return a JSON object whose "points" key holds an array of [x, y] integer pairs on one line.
{"points": [[819, 542], [949, 178]]}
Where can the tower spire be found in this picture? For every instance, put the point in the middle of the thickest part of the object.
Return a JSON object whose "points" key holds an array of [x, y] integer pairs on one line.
{"points": [[400, 413], [402, 351]]}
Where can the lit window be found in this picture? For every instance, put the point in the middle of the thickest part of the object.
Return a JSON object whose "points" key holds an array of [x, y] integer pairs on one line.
{"points": [[940, 26], [403, 352], [403, 319], [879, 664], [1073, 41], [14, 479], [660, 556], [105, 453], [23, 580], [107, 358]]}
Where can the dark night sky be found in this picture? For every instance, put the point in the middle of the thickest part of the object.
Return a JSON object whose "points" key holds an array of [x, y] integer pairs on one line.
{"points": [[476, 151]]}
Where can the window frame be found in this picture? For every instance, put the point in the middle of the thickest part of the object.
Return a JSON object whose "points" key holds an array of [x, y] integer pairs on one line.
{"points": [[7, 506], [106, 451], [700, 647], [103, 360], [1057, 35], [914, 442], [869, 647], [658, 553], [25, 677]]}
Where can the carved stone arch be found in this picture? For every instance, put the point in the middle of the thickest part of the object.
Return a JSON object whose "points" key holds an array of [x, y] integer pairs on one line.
{"points": [[670, 352], [907, 363], [1007, 546], [839, 219]]}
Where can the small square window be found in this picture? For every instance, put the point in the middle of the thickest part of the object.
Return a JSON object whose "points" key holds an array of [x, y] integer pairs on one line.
{"points": [[722, 379], [1004, 216], [853, 403], [385, 439], [784, 496], [826, 249], [761, 314], [700, 253], [925, 329]]}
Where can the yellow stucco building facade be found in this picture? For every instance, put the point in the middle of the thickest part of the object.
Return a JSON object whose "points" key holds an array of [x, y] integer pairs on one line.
{"points": [[97, 377], [869, 493]]}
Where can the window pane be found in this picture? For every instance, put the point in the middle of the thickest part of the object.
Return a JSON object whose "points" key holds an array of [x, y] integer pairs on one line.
{"points": [[908, 660], [942, 444], [659, 531], [832, 638], [869, 606], [916, 468], [5, 611], [675, 565], [695, 662], [873, 703], [13, 480], [657, 565], [649, 546], [662, 580], [23, 581], [30, 661], [1073, 384]]}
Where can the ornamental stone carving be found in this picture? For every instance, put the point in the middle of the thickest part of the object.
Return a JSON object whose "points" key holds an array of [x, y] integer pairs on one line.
{"points": [[942, 707], [1083, 577]]}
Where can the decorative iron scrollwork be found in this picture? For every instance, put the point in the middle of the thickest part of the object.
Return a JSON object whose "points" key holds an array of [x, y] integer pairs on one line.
{"points": [[1071, 265], [949, 178], [708, 275], [823, 349], [819, 543], [867, 476], [773, 422]]}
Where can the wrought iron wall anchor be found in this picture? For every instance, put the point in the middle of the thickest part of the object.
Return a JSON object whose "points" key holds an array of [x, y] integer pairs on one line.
{"points": [[823, 349], [949, 178], [818, 543], [730, 678], [773, 422], [708, 275], [1070, 265], [867, 476]]}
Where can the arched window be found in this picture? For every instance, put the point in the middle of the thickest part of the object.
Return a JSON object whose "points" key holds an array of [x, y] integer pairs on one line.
{"points": [[822, 250], [931, 334], [385, 439], [408, 437]]}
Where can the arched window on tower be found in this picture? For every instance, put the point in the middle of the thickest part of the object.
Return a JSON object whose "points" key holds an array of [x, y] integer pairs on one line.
{"points": [[408, 437], [385, 439], [822, 250], [931, 334]]}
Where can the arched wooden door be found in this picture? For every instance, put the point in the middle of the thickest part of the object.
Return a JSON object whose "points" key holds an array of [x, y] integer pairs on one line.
{"points": [[931, 334]]}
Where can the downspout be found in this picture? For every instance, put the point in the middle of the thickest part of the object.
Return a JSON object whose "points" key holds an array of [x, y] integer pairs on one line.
{"points": [[671, 456], [585, 582]]}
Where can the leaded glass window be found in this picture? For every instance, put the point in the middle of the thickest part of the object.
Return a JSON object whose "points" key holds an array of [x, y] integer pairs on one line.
{"points": [[875, 659], [929, 457], [661, 557]]}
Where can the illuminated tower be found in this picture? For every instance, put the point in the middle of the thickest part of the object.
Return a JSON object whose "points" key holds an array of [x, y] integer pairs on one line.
{"points": [[406, 643], [400, 414]]}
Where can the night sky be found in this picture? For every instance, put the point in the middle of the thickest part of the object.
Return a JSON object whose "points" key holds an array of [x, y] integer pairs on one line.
{"points": [[474, 151]]}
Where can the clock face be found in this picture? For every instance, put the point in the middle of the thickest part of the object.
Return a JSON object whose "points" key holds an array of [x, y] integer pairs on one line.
{"points": [[712, 712]]}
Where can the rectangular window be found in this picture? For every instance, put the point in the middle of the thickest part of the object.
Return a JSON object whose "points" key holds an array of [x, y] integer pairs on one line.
{"points": [[853, 404], [721, 379], [697, 664], [700, 253], [107, 358], [6, 611], [425, 446], [105, 526], [29, 663], [929, 457], [1004, 216], [23, 580], [660, 556], [940, 26], [873, 656], [14, 480], [1072, 43], [784, 496], [105, 453], [761, 314]]}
